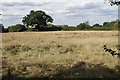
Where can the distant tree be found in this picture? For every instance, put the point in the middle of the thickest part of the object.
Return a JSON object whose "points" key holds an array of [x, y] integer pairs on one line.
{"points": [[105, 23], [1, 28], [38, 18], [82, 26], [109, 24], [87, 22], [67, 28], [116, 25], [16, 28], [64, 26], [97, 25]]}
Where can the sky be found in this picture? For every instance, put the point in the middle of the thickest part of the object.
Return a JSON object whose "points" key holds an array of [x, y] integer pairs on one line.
{"points": [[70, 12]]}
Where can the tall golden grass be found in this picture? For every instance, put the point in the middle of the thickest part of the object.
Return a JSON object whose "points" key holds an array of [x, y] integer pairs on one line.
{"points": [[66, 54]]}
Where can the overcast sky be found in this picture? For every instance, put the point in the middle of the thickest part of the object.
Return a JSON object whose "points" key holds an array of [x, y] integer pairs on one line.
{"points": [[71, 12]]}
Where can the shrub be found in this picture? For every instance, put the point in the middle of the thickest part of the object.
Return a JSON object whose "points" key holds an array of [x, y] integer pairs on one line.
{"points": [[103, 28], [32, 29], [82, 26], [116, 25], [109, 24], [105, 23], [68, 28], [5, 29], [16, 28], [49, 27], [1, 28], [97, 25]]}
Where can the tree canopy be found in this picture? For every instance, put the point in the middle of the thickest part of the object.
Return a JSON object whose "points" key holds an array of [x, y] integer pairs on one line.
{"points": [[83, 26], [113, 2], [37, 18]]}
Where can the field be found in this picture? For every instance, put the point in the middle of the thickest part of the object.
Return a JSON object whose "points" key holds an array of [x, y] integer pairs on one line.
{"points": [[60, 54]]}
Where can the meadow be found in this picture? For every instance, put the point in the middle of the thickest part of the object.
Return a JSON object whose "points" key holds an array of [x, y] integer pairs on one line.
{"points": [[59, 54]]}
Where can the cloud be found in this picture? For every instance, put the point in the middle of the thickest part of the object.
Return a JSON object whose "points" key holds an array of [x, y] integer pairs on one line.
{"points": [[9, 20], [89, 9], [108, 11], [11, 4], [70, 12], [51, 0], [83, 6]]}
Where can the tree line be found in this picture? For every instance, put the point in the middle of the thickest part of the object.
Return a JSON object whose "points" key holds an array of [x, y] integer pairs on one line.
{"points": [[40, 21]]}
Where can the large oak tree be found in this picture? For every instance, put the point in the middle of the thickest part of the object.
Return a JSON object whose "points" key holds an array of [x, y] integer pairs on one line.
{"points": [[37, 18]]}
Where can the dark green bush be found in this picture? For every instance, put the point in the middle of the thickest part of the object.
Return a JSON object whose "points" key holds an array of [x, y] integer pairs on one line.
{"points": [[16, 28], [109, 24], [1, 28], [105, 23], [97, 25], [103, 28], [82, 26], [49, 27], [68, 28], [32, 29]]}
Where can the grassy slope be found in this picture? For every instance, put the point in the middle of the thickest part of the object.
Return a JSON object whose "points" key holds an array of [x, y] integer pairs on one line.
{"points": [[73, 54]]}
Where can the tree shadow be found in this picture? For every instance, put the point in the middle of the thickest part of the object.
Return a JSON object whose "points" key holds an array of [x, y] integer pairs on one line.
{"points": [[81, 69], [87, 70]]}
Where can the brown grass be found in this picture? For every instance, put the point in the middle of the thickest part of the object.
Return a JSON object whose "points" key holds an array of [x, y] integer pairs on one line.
{"points": [[71, 54]]}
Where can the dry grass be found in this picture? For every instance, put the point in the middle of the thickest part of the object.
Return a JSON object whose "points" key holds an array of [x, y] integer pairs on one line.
{"points": [[72, 54]]}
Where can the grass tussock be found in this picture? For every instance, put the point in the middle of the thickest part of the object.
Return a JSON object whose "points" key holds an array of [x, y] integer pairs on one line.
{"points": [[15, 49]]}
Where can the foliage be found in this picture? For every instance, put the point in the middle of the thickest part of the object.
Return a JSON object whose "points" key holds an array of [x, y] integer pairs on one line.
{"points": [[82, 26], [103, 28], [5, 29], [31, 29], [105, 23], [116, 25], [1, 28], [16, 28], [87, 22], [109, 24], [97, 25], [113, 2], [49, 27], [67, 28], [37, 18]]}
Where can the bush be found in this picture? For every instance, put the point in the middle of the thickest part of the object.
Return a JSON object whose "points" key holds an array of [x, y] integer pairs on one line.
{"points": [[49, 27], [116, 25], [105, 23], [16, 28], [97, 25], [103, 28], [109, 24], [5, 29], [82, 26], [32, 29], [68, 28], [1, 28], [52, 27]]}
